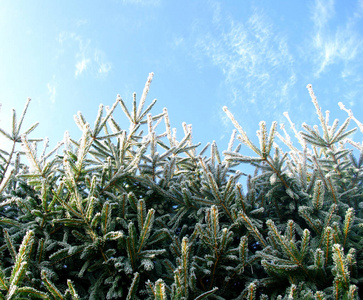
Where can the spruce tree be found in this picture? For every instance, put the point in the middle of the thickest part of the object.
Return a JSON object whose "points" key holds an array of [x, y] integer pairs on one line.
{"points": [[138, 213]]}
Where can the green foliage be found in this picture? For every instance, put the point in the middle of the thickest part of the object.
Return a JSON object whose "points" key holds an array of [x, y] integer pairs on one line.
{"points": [[138, 214]]}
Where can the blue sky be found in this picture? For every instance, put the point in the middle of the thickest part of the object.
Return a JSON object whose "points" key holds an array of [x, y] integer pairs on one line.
{"points": [[256, 57]]}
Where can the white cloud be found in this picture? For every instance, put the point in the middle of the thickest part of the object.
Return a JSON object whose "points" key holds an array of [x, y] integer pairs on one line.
{"points": [[350, 97], [141, 2], [254, 58], [81, 66], [177, 41], [340, 45], [322, 11], [81, 22], [52, 92], [217, 15], [260, 28], [87, 57], [103, 67], [262, 65]]}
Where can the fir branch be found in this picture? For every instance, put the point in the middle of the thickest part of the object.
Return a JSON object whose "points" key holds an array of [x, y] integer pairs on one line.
{"points": [[31, 155], [98, 191], [3, 281], [51, 287], [21, 261], [318, 196], [31, 292], [290, 250], [348, 222], [9, 244], [16, 133], [252, 228], [72, 290], [144, 94], [133, 287], [146, 229], [147, 110], [350, 114], [206, 294], [124, 108], [5, 180], [104, 120], [245, 138], [318, 111], [340, 264]]}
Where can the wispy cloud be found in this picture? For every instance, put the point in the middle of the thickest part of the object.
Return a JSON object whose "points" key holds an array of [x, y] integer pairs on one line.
{"points": [[103, 66], [264, 65], [177, 41], [350, 98], [254, 58], [81, 22], [321, 12], [141, 2], [87, 57], [51, 92], [81, 66], [341, 45]]}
